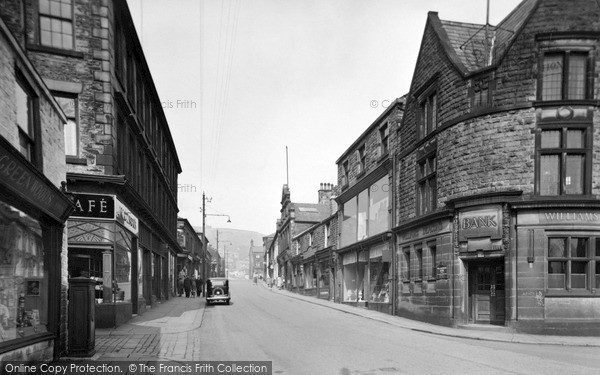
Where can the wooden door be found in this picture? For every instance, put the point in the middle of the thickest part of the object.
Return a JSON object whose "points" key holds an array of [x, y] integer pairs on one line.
{"points": [[487, 293]]}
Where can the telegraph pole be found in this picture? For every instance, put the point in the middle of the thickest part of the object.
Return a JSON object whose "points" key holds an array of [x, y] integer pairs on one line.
{"points": [[204, 249]]}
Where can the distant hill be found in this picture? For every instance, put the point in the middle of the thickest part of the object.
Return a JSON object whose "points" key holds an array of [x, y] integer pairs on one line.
{"points": [[236, 240]]}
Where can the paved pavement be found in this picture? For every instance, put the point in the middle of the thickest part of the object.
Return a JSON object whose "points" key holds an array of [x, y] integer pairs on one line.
{"points": [[169, 331]]}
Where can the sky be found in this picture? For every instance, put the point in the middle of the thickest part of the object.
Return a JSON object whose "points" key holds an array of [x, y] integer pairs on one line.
{"points": [[261, 92]]}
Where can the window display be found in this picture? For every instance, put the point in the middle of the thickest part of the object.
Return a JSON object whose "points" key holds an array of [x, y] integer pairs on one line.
{"points": [[23, 278], [379, 281]]}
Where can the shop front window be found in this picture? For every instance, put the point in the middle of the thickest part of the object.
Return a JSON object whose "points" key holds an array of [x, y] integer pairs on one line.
{"points": [[350, 274], [23, 277], [379, 280], [122, 274]]}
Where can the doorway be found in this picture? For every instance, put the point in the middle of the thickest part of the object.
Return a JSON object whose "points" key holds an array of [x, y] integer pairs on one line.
{"points": [[487, 292]]}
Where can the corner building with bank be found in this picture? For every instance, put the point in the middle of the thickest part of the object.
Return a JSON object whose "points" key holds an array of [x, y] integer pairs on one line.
{"points": [[498, 180]]}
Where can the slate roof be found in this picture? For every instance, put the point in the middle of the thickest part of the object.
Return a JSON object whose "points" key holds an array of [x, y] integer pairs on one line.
{"points": [[467, 40], [311, 212]]}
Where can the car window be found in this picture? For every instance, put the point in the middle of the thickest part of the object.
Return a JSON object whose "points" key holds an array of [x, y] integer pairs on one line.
{"points": [[217, 282]]}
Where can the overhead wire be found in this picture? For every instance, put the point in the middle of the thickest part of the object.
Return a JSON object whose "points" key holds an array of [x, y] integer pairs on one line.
{"points": [[226, 51]]}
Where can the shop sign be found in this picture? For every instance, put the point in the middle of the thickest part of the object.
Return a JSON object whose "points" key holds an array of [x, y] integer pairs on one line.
{"points": [[18, 176], [480, 223], [570, 217], [425, 231], [94, 205], [441, 272], [125, 217], [564, 217]]}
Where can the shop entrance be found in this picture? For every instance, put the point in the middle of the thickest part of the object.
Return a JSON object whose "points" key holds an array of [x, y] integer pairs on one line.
{"points": [[486, 292]]}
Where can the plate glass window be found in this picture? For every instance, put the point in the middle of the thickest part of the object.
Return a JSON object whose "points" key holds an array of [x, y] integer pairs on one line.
{"points": [[23, 277]]}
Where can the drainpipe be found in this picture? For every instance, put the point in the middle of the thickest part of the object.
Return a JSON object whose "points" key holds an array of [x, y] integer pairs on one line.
{"points": [[393, 241]]}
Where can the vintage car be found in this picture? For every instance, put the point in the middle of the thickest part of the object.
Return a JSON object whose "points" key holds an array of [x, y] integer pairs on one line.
{"points": [[217, 290]]}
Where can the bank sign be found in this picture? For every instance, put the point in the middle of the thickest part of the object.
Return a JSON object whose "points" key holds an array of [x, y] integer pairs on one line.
{"points": [[480, 223]]}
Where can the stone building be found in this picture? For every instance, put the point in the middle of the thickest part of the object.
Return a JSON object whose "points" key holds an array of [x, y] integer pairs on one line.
{"points": [[33, 211], [268, 265], [296, 218], [497, 213], [256, 261], [316, 247], [122, 165], [365, 248], [192, 255]]}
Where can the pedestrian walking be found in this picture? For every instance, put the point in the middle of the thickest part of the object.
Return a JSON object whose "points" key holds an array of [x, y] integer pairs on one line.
{"points": [[187, 286], [180, 280], [199, 286]]}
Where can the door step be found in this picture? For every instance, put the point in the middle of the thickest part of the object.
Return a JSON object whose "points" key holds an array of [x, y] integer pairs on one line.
{"points": [[485, 327]]}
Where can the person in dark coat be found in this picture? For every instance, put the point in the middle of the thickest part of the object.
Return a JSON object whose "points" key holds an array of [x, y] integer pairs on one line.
{"points": [[187, 286], [198, 286]]}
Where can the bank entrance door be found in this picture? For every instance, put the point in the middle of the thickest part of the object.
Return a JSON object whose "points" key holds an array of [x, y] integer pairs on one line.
{"points": [[486, 292]]}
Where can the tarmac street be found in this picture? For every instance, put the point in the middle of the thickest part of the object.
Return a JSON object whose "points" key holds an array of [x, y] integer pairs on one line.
{"points": [[304, 335]]}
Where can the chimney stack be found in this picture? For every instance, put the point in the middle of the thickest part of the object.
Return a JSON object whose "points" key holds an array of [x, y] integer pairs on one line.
{"points": [[325, 192]]}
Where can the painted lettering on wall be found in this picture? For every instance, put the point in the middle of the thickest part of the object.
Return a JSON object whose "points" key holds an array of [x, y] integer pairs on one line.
{"points": [[572, 216], [11, 171], [125, 217], [427, 230]]}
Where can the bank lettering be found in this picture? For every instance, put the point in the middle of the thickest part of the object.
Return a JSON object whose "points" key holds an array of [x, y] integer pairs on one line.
{"points": [[476, 222]]}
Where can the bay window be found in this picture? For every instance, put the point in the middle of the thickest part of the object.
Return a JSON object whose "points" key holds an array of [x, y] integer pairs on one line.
{"points": [[565, 76], [563, 157]]}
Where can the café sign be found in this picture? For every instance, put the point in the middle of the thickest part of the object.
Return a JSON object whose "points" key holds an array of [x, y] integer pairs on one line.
{"points": [[94, 205], [105, 207], [480, 223]]}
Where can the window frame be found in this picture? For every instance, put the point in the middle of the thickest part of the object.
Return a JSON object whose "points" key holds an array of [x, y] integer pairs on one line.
{"points": [[384, 139], [345, 173], [427, 179], [32, 137], [51, 17], [428, 112], [563, 152], [592, 259], [566, 53], [75, 119], [478, 86], [361, 156]]}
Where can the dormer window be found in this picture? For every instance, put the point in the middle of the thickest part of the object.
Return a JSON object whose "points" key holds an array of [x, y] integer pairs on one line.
{"points": [[384, 135], [345, 173], [362, 159]]}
